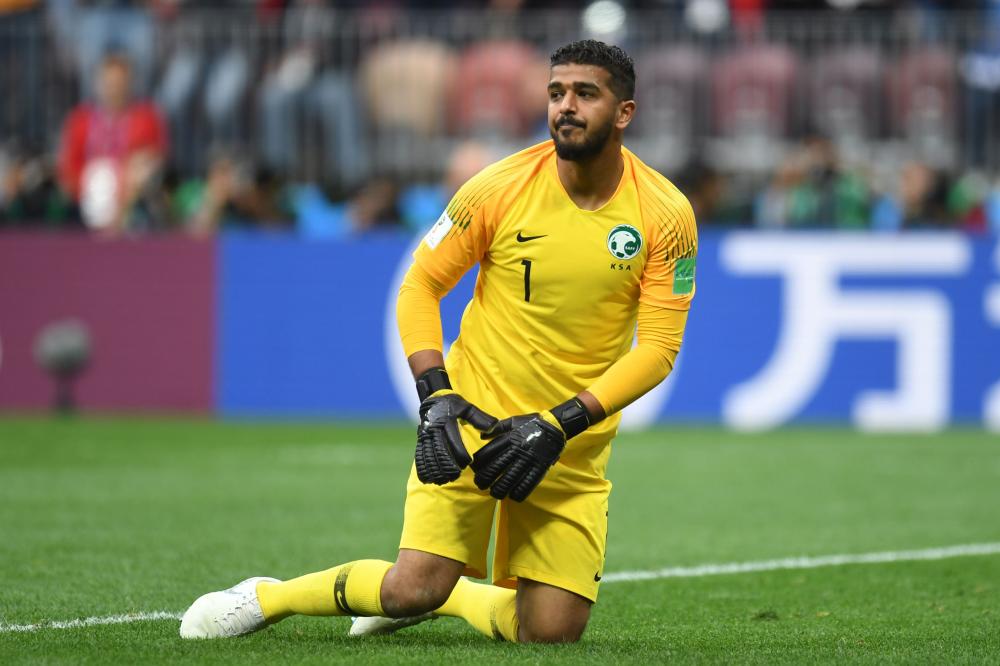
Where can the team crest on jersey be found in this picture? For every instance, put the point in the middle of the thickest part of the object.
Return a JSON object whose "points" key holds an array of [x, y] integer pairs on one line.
{"points": [[624, 241]]}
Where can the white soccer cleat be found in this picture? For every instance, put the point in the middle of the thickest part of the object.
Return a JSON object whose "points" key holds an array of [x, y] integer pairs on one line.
{"points": [[374, 626], [226, 613]]}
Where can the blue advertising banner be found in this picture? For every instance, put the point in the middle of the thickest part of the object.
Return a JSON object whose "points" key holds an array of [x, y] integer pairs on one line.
{"points": [[886, 332], [301, 326]]}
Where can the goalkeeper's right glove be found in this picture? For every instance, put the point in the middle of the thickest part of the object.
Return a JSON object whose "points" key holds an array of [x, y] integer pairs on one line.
{"points": [[523, 448], [441, 456]]}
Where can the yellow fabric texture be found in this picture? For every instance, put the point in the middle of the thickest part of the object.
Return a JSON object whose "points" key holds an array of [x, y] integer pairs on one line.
{"points": [[556, 536], [554, 310], [418, 311], [659, 334], [489, 609], [349, 589], [553, 307]]}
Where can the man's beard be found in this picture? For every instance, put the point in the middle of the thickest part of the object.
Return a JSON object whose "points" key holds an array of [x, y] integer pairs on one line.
{"points": [[590, 147]]}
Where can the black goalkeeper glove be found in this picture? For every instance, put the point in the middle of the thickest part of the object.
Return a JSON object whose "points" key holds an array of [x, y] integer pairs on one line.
{"points": [[441, 456], [523, 448]]}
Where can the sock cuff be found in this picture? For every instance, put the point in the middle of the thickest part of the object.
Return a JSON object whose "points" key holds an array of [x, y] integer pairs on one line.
{"points": [[503, 619], [357, 589], [492, 610]]}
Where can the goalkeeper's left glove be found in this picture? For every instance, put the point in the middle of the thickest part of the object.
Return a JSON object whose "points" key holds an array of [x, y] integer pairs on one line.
{"points": [[441, 456], [523, 448]]}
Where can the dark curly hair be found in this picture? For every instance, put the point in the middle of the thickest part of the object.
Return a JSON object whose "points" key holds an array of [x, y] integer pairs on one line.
{"points": [[613, 59]]}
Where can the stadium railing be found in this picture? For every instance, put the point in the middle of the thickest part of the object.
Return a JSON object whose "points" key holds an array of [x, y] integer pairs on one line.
{"points": [[334, 96]]}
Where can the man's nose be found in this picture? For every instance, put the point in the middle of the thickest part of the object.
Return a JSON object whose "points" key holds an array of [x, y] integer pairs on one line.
{"points": [[568, 104]]}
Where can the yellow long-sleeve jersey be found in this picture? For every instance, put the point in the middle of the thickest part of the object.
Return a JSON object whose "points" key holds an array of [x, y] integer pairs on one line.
{"points": [[560, 289]]}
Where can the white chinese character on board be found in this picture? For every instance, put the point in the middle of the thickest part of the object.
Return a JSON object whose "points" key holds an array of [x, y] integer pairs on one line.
{"points": [[818, 311]]}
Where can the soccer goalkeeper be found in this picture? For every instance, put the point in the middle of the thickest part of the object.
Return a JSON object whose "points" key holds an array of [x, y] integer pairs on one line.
{"points": [[580, 245]]}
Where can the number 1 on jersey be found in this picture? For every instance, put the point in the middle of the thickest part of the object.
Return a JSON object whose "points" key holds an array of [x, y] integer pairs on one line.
{"points": [[527, 279]]}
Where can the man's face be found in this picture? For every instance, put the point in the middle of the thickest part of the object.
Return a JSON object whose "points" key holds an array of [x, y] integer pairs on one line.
{"points": [[114, 85], [582, 110]]}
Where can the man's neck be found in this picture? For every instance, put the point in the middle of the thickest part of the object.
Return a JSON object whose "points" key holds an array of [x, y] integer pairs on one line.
{"points": [[590, 184], [113, 108]]}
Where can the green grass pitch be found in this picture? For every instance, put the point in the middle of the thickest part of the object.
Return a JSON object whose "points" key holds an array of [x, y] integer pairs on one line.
{"points": [[100, 517]]}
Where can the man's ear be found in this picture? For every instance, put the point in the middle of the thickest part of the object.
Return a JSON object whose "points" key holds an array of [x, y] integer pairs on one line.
{"points": [[625, 114]]}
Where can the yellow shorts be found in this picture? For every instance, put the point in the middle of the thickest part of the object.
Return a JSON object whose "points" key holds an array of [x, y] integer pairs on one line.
{"points": [[556, 536]]}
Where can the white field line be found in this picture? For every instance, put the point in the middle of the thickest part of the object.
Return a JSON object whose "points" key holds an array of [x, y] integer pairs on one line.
{"points": [[127, 618], [622, 577], [807, 562]]}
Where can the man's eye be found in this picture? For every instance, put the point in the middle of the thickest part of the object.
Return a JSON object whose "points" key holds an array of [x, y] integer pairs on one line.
{"points": [[555, 95]]}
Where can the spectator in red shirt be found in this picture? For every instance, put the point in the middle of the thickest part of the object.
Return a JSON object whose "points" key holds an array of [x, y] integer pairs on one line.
{"points": [[112, 150]]}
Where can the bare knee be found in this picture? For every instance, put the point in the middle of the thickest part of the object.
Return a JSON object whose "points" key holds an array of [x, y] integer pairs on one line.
{"points": [[418, 583], [548, 614], [553, 630]]}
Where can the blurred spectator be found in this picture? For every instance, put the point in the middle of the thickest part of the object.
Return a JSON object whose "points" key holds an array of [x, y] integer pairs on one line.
{"points": [[92, 28], [206, 79], [233, 195], [980, 70], [226, 85], [809, 189], [967, 199], [753, 93], [703, 187], [672, 88], [747, 16], [918, 200], [112, 150], [329, 93], [845, 93], [499, 90], [298, 94], [29, 195], [991, 209], [776, 205], [405, 83], [372, 207], [922, 88], [421, 205], [21, 69]]}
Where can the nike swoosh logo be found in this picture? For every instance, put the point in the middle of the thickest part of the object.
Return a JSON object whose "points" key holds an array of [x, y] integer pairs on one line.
{"points": [[524, 239], [597, 577]]}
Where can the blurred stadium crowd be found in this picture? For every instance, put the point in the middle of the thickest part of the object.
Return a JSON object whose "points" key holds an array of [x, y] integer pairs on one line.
{"points": [[337, 118]]}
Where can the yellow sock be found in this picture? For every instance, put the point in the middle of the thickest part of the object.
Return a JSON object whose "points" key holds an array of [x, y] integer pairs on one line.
{"points": [[490, 609], [349, 589]]}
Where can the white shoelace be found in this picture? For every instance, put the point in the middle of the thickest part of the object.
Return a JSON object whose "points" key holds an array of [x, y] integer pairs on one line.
{"points": [[241, 618]]}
